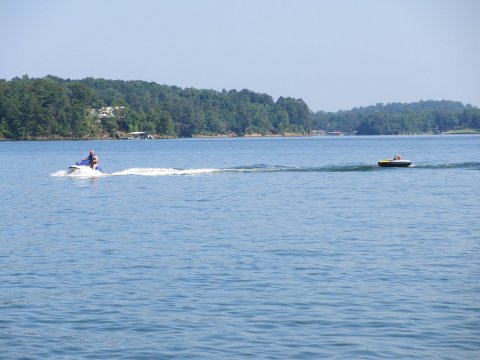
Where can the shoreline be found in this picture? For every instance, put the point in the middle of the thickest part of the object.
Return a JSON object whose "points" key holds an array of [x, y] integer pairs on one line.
{"points": [[232, 136]]}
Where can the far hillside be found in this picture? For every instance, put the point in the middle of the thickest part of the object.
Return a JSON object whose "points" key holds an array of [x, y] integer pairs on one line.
{"points": [[397, 118], [56, 108]]}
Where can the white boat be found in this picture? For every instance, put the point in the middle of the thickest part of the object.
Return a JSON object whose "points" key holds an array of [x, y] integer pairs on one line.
{"points": [[84, 170], [84, 167], [137, 135]]}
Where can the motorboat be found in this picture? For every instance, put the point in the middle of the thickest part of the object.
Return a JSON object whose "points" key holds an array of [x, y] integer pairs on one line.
{"points": [[137, 135], [84, 165]]}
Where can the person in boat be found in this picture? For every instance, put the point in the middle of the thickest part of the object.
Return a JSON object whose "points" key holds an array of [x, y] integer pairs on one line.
{"points": [[397, 157], [94, 163], [92, 160]]}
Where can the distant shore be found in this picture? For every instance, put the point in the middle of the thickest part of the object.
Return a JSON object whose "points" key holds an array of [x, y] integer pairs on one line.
{"points": [[231, 136]]}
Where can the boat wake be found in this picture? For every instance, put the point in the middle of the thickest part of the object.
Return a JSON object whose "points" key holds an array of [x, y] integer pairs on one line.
{"points": [[82, 172], [164, 172], [465, 166], [241, 169], [260, 168]]}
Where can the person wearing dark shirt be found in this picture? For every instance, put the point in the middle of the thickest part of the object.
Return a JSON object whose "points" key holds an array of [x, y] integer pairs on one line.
{"points": [[92, 160]]}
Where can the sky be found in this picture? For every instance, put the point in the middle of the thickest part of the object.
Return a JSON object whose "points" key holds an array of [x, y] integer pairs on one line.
{"points": [[335, 55]]}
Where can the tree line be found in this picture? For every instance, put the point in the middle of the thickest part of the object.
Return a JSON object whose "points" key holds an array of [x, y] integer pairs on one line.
{"points": [[396, 118], [56, 108], [52, 107]]}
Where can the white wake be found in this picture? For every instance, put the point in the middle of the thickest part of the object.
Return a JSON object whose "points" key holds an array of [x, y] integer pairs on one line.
{"points": [[87, 172], [164, 172], [82, 172]]}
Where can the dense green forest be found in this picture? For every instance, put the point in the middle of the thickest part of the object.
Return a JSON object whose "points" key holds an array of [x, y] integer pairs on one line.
{"points": [[55, 108], [392, 119], [51, 107]]}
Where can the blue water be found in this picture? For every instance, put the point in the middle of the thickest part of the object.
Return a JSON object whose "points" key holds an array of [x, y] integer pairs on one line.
{"points": [[270, 248]]}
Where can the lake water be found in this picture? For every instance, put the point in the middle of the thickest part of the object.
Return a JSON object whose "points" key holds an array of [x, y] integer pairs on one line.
{"points": [[268, 248]]}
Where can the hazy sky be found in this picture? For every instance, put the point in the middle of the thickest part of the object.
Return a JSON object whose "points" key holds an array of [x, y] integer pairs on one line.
{"points": [[334, 54]]}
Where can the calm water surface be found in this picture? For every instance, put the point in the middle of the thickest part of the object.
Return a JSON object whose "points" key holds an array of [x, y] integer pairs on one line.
{"points": [[241, 248]]}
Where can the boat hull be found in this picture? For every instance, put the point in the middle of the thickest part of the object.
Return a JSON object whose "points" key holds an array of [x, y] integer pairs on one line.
{"points": [[394, 163], [84, 169]]}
